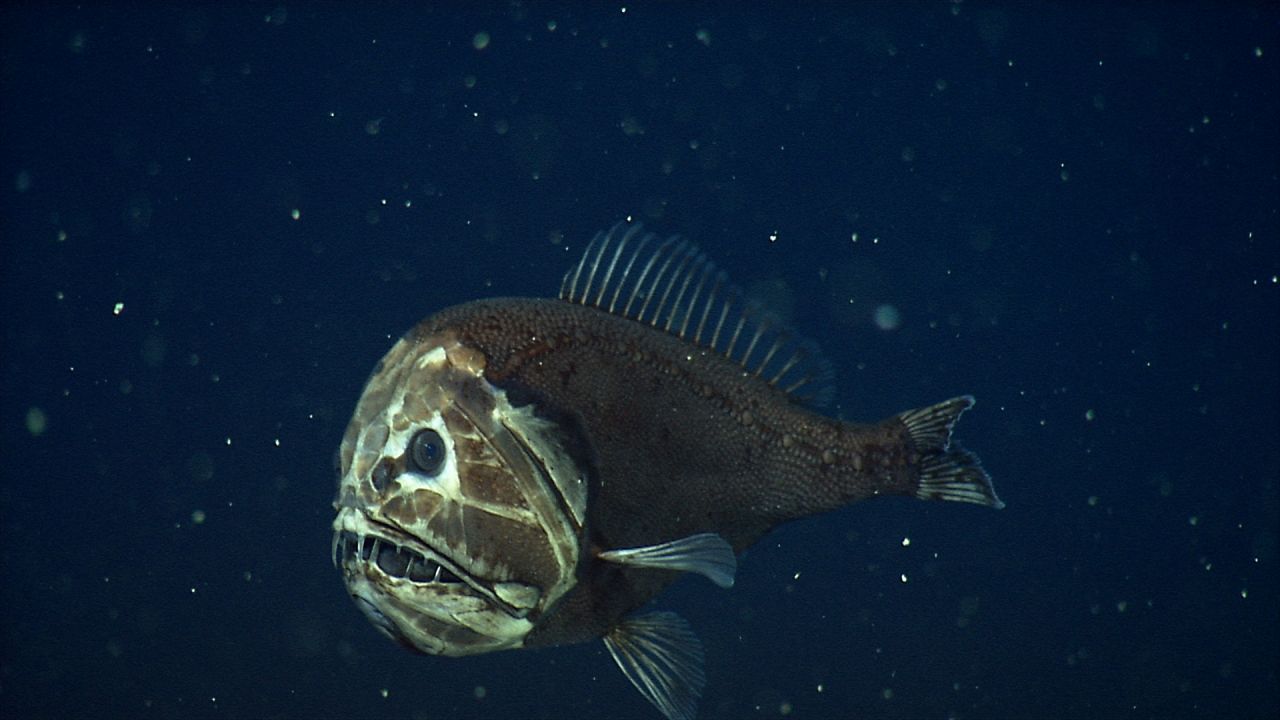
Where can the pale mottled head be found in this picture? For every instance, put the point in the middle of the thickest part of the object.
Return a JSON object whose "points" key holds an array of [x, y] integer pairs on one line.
{"points": [[459, 516]]}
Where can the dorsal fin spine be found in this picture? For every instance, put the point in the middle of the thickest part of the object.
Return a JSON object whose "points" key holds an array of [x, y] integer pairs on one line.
{"points": [[773, 350], [626, 272], [706, 308], [786, 367], [569, 287], [652, 291], [690, 267], [592, 259], [600, 249], [755, 339], [737, 330], [645, 290], [676, 255], [632, 232], [693, 300], [804, 380], [638, 287], [724, 314], [712, 275], [657, 280], [690, 256], [613, 262], [590, 262]]}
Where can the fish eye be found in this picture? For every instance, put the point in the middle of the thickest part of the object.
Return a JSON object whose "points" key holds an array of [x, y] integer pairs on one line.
{"points": [[426, 451]]}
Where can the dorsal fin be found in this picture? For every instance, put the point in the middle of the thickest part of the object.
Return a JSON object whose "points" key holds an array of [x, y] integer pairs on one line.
{"points": [[670, 285]]}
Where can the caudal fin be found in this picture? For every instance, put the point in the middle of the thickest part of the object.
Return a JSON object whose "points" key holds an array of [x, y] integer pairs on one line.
{"points": [[947, 472]]}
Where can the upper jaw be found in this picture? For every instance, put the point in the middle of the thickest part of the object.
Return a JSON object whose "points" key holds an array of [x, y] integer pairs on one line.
{"points": [[392, 558]]}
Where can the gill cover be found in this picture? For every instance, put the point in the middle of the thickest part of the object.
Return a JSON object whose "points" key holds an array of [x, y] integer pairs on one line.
{"points": [[455, 545]]}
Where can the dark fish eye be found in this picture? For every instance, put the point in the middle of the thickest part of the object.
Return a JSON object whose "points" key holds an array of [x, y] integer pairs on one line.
{"points": [[426, 452]]}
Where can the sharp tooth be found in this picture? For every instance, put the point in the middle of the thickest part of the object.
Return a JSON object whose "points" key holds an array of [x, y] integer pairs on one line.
{"points": [[437, 577], [334, 552], [416, 569]]}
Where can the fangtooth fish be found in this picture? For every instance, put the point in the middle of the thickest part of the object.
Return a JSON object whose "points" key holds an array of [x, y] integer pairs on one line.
{"points": [[522, 473]]}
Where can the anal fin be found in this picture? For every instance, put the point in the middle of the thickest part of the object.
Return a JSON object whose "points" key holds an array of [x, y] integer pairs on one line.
{"points": [[662, 658], [707, 554]]}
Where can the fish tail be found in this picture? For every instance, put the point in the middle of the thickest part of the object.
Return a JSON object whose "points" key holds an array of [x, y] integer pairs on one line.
{"points": [[947, 472]]}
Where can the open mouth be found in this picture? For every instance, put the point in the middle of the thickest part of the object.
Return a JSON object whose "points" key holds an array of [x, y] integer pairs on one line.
{"points": [[392, 559]]}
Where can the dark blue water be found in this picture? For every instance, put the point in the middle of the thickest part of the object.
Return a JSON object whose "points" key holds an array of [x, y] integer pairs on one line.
{"points": [[213, 221]]}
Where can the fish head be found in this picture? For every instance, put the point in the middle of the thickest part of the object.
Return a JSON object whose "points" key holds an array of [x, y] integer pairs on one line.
{"points": [[459, 515]]}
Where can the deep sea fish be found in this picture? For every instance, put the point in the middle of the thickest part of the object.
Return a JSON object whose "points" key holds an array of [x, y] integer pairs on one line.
{"points": [[523, 473]]}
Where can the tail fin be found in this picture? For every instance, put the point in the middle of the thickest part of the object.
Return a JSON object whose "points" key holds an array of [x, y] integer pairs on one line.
{"points": [[946, 472]]}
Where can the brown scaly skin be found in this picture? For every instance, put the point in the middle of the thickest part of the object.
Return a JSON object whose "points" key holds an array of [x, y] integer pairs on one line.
{"points": [[677, 440]]}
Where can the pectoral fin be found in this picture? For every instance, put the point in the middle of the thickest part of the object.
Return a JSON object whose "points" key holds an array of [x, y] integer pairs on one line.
{"points": [[662, 657], [705, 553]]}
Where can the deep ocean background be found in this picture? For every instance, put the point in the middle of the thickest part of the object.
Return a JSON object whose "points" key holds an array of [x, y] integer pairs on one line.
{"points": [[215, 219]]}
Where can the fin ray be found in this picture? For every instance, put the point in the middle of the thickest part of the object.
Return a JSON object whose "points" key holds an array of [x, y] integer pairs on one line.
{"points": [[707, 554], [638, 288], [692, 264], [626, 272], [663, 659], [600, 244], [708, 304]]}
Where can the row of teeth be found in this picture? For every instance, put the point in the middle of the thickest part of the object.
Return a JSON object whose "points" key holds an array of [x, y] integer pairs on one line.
{"points": [[390, 558]]}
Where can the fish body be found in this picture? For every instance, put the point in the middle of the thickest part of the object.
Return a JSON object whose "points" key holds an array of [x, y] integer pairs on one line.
{"points": [[524, 473]]}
